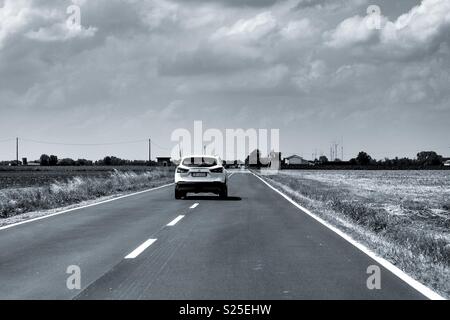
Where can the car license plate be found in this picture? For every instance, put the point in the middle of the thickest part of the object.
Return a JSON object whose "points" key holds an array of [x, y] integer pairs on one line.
{"points": [[199, 174]]}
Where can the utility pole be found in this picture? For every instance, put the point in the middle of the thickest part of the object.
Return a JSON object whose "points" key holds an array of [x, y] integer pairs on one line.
{"points": [[335, 150], [17, 151], [149, 152]]}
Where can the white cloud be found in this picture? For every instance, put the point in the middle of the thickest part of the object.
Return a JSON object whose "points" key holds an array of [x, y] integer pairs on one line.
{"points": [[421, 26], [14, 16], [61, 32], [252, 29], [299, 29], [418, 31], [23, 17], [350, 32]]}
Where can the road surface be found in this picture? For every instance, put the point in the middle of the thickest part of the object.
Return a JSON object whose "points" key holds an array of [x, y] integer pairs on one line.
{"points": [[254, 245]]}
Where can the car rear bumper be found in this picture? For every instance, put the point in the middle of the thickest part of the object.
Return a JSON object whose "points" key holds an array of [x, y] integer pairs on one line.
{"points": [[200, 186]]}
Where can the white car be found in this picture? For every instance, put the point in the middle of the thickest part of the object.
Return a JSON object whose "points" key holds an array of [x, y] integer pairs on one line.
{"points": [[200, 173]]}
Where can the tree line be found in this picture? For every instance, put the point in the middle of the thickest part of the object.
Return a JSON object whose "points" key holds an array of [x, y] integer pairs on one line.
{"points": [[423, 160], [52, 160]]}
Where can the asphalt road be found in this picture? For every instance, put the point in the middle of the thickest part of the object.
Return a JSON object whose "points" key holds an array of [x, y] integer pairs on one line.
{"points": [[254, 245]]}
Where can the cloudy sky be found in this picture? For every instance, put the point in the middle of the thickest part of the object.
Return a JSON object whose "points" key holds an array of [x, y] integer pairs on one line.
{"points": [[315, 69]]}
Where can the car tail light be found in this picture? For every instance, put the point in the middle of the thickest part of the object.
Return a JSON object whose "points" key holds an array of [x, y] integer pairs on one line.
{"points": [[218, 170], [181, 170]]}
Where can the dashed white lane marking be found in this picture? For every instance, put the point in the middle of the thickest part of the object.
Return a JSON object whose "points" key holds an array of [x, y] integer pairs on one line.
{"points": [[140, 249], [427, 292], [194, 206], [175, 221]]}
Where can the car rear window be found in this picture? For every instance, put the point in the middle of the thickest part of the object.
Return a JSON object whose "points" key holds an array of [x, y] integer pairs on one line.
{"points": [[199, 162]]}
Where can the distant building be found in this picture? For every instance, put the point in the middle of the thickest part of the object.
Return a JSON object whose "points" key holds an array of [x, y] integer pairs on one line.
{"points": [[447, 163], [295, 160], [163, 161]]}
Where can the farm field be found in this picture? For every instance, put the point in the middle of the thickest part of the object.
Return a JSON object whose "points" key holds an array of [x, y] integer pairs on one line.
{"points": [[28, 189], [404, 216], [21, 177]]}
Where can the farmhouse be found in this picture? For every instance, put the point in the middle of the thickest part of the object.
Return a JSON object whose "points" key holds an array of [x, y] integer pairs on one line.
{"points": [[447, 163], [295, 159], [163, 161]]}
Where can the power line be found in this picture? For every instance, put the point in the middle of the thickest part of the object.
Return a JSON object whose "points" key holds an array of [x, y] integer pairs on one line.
{"points": [[84, 144], [159, 146], [93, 144]]}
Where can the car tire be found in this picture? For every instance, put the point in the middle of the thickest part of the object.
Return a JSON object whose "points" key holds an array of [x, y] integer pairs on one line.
{"points": [[178, 194], [224, 192]]}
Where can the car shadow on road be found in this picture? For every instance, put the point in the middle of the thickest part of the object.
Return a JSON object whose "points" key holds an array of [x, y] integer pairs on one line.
{"points": [[216, 198]]}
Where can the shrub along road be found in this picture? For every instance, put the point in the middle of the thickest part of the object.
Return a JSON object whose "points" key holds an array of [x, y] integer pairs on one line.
{"points": [[254, 245]]}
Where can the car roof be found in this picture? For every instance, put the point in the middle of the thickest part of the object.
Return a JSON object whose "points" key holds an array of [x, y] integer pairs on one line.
{"points": [[200, 156]]}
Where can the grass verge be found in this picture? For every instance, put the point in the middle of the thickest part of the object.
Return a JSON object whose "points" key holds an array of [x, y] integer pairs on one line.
{"points": [[419, 247], [16, 201]]}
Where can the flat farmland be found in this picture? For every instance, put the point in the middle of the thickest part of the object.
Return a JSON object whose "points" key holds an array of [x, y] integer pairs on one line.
{"points": [[32, 189], [402, 215], [22, 177]]}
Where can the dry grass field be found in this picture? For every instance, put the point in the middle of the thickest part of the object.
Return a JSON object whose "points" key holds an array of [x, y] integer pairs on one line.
{"points": [[402, 215], [26, 189], [19, 177]]}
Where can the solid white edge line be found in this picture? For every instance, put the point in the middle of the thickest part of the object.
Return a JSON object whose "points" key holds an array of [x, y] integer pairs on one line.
{"points": [[427, 292], [136, 252], [82, 207], [175, 221], [195, 205]]}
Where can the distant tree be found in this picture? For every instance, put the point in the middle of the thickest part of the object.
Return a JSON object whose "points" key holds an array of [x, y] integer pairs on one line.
{"points": [[323, 159], [353, 162], [363, 159], [429, 158], [53, 161], [107, 161], [44, 160], [387, 162], [138, 162], [83, 162], [117, 161], [67, 162]]}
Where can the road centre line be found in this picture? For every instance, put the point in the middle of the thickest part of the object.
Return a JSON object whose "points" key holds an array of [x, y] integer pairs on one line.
{"points": [[175, 221], [136, 252], [194, 206]]}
